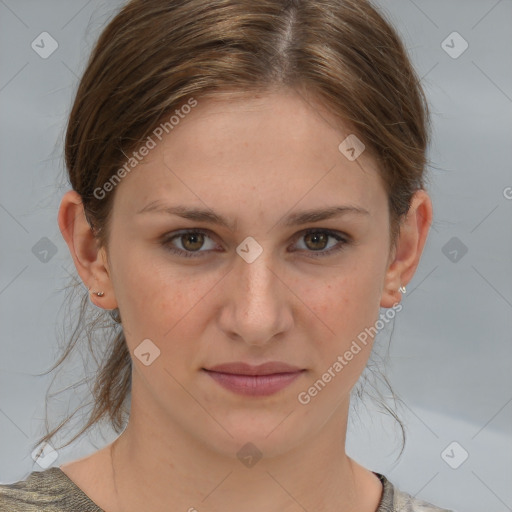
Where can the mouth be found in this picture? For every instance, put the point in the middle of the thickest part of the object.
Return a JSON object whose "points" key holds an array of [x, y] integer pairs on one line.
{"points": [[262, 380]]}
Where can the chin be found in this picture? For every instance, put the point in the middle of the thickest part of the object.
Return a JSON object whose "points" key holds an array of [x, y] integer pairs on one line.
{"points": [[264, 436]]}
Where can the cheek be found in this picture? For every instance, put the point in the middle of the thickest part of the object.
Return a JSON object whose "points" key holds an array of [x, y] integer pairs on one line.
{"points": [[160, 302], [344, 308], [346, 301]]}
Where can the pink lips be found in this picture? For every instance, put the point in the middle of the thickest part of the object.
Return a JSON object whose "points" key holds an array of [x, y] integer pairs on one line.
{"points": [[262, 380]]}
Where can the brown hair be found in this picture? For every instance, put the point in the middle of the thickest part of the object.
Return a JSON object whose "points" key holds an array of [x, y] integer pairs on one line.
{"points": [[155, 55]]}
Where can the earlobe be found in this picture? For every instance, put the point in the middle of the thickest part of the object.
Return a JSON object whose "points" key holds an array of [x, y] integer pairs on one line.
{"points": [[390, 297], [411, 241], [83, 246]]}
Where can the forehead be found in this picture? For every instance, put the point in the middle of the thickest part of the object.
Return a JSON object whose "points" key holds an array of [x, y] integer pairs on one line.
{"points": [[273, 148]]}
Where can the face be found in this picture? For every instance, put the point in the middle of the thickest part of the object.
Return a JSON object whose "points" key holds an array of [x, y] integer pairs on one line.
{"points": [[270, 285]]}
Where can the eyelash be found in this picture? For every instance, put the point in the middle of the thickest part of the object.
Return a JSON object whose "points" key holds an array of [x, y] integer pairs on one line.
{"points": [[344, 240]]}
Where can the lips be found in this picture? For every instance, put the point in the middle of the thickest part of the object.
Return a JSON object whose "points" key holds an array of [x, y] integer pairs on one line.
{"points": [[262, 380], [240, 368]]}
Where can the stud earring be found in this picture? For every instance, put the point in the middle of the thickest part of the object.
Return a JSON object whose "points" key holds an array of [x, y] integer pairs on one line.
{"points": [[99, 294], [402, 289]]}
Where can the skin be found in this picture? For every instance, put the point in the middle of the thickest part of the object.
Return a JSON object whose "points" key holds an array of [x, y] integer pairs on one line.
{"points": [[253, 160]]}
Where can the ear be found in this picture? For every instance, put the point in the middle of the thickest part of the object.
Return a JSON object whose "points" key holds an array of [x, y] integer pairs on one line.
{"points": [[90, 261], [406, 255]]}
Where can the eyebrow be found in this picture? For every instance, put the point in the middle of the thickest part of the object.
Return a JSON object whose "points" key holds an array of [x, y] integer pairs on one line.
{"points": [[294, 219]]}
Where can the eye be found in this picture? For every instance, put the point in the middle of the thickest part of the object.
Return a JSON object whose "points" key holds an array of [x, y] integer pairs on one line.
{"points": [[317, 240], [189, 243]]}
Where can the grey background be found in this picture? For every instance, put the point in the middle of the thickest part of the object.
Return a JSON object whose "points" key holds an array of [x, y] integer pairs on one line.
{"points": [[451, 345]]}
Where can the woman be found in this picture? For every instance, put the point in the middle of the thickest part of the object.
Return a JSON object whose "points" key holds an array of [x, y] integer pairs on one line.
{"points": [[247, 193]]}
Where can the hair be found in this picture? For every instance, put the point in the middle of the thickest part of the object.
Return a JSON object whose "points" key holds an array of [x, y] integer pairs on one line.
{"points": [[154, 55]]}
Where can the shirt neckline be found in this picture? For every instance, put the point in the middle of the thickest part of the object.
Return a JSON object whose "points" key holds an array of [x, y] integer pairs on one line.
{"points": [[385, 501]]}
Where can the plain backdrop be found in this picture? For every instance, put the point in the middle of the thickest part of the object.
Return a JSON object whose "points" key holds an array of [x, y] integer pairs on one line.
{"points": [[451, 350]]}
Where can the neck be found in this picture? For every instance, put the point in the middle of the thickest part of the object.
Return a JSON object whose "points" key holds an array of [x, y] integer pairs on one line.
{"points": [[156, 464]]}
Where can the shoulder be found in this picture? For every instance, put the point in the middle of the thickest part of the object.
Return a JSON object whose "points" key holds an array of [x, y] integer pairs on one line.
{"points": [[49, 491], [406, 503], [395, 500]]}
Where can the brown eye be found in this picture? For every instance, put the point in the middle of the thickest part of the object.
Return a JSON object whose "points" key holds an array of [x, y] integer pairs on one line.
{"points": [[316, 241], [319, 242], [189, 243], [192, 241]]}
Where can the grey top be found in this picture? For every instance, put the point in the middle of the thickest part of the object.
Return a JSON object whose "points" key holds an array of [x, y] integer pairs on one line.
{"points": [[52, 490]]}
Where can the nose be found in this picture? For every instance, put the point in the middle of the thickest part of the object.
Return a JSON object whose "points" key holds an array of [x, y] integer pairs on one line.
{"points": [[257, 304]]}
